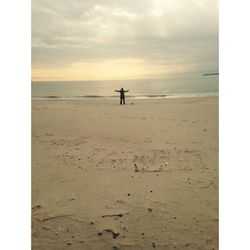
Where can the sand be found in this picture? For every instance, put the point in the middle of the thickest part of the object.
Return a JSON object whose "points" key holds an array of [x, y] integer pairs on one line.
{"points": [[139, 176]]}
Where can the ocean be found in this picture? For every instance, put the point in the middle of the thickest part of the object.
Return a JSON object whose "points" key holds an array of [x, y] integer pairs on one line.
{"points": [[138, 89]]}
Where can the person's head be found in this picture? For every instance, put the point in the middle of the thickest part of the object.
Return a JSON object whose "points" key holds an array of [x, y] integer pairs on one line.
{"points": [[121, 88]]}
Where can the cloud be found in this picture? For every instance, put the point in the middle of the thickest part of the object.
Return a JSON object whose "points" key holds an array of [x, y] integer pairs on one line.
{"points": [[177, 35]]}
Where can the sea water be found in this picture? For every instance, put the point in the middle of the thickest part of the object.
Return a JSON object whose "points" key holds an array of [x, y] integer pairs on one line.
{"points": [[138, 89]]}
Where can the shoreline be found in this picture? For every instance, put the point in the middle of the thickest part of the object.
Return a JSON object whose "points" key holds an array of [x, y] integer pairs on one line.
{"points": [[139, 97]]}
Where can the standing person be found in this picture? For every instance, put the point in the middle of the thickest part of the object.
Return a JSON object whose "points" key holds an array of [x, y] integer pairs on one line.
{"points": [[122, 95]]}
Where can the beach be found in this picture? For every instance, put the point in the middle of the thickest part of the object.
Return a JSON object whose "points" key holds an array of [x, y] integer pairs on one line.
{"points": [[138, 176]]}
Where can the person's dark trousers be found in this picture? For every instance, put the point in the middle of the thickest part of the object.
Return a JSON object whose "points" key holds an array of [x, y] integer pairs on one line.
{"points": [[122, 100]]}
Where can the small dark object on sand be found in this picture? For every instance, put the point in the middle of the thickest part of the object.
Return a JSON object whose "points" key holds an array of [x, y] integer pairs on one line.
{"points": [[56, 217], [175, 218], [150, 209], [114, 215], [36, 207], [136, 168], [128, 194], [115, 235], [151, 191], [99, 234], [69, 243], [91, 223], [153, 245]]}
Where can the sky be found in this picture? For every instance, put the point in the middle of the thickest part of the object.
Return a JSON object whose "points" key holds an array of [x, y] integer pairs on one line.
{"points": [[123, 39]]}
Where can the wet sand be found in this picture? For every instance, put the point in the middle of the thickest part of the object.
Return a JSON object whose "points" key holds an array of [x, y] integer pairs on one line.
{"points": [[139, 176]]}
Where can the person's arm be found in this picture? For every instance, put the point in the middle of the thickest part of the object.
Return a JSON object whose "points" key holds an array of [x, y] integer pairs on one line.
{"points": [[117, 90], [126, 90]]}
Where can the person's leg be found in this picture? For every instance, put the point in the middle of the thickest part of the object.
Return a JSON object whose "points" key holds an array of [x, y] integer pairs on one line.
{"points": [[120, 101], [124, 100]]}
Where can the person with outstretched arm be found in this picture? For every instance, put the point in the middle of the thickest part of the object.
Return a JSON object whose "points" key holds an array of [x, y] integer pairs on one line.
{"points": [[122, 95]]}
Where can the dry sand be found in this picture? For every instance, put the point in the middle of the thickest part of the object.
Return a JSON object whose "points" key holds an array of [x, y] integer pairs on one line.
{"points": [[139, 176]]}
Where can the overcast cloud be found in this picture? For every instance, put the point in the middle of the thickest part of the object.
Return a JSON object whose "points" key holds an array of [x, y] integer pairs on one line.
{"points": [[146, 38]]}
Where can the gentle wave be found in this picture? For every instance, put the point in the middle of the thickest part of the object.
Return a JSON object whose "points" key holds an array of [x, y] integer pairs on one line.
{"points": [[151, 96]]}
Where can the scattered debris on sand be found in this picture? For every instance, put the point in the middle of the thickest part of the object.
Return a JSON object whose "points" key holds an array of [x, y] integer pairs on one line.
{"points": [[146, 169]]}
